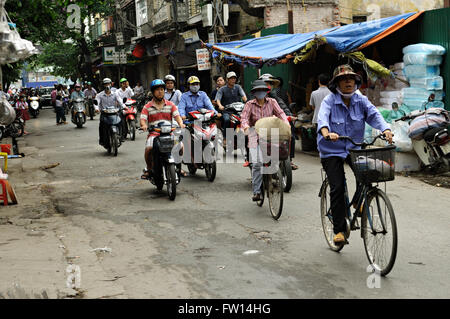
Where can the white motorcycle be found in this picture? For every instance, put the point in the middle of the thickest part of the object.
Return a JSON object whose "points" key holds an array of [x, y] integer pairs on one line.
{"points": [[34, 106]]}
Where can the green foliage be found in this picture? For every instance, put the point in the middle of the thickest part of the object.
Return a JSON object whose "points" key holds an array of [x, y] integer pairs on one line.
{"points": [[44, 22]]}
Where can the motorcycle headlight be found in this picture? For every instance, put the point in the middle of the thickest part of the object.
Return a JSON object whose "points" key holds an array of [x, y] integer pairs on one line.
{"points": [[166, 129]]}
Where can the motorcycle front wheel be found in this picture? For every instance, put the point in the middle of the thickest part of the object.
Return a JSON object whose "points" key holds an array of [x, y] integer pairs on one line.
{"points": [[210, 170], [114, 143], [171, 181], [132, 129]]}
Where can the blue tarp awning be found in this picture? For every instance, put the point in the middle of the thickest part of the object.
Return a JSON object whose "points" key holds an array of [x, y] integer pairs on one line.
{"points": [[270, 49]]}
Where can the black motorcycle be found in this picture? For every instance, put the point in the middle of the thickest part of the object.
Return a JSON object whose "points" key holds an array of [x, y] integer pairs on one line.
{"points": [[90, 105], [164, 168], [111, 122]]}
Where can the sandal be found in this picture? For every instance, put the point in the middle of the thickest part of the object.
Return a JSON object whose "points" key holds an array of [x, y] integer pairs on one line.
{"points": [[293, 166], [183, 173], [146, 174]]}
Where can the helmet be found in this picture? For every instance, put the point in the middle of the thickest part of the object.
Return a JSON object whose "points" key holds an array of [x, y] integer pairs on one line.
{"points": [[193, 79], [107, 81], [157, 83], [169, 77], [231, 74], [123, 80], [89, 83]]}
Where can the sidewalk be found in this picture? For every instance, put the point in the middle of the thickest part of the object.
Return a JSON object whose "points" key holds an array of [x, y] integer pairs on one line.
{"points": [[38, 243]]}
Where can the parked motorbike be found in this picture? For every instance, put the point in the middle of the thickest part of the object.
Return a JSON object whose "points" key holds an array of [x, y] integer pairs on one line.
{"points": [[112, 123], [34, 106], [203, 129], [15, 129], [433, 149], [90, 106], [65, 101], [164, 170], [129, 113], [78, 112]]}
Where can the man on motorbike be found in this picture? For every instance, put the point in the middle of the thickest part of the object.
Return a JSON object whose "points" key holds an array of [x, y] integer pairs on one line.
{"points": [[260, 107], [194, 99], [104, 99], [158, 109], [90, 93], [172, 94], [226, 95], [138, 90], [125, 90], [77, 94]]}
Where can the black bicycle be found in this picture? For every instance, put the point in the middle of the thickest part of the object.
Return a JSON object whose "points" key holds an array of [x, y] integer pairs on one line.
{"points": [[378, 226]]}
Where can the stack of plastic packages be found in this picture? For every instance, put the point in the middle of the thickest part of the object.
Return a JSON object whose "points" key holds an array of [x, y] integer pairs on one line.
{"points": [[422, 69], [12, 47]]}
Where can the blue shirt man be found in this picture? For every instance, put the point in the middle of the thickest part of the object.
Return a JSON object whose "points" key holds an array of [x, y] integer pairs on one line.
{"points": [[346, 121], [194, 99]]}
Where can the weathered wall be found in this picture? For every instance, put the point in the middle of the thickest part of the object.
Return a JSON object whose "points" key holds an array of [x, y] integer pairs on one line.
{"points": [[306, 19], [391, 8]]}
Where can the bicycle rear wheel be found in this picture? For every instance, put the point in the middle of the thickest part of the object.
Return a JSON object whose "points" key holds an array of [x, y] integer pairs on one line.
{"points": [[275, 194], [379, 232], [326, 217]]}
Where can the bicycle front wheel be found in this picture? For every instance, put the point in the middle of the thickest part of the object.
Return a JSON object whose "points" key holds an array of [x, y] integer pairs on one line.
{"points": [[275, 194], [379, 232], [326, 216]]}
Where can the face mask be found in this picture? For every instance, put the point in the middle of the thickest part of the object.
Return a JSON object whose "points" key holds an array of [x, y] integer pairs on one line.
{"points": [[194, 88], [348, 95], [107, 88], [260, 95]]}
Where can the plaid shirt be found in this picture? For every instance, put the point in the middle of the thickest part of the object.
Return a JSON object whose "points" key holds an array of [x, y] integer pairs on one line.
{"points": [[253, 112]]}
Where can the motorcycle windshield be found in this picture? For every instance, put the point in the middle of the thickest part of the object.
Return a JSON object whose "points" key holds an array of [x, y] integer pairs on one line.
{"points": [[110, 119]]}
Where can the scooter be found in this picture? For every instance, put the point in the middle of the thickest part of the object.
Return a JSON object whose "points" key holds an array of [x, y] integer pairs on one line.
{"points": [[78, 113], [34, 106], [110, 117], [235, 110], [130, 112], [203, 129], [164, 170], [433, 149], [65, 101], [91, 108]]}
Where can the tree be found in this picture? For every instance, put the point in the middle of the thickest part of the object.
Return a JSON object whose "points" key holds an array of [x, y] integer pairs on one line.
{"points": [[44, 23]]}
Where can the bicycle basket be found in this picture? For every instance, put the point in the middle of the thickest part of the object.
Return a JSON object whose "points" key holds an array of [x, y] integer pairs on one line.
{"points": [[268, 148], [374, 165]]}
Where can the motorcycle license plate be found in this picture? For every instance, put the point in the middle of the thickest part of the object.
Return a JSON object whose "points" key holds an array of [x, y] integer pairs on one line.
{"points": [[446, 148]]}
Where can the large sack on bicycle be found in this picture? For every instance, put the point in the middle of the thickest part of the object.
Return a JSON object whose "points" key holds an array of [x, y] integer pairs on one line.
{"points": [[7, 113], [273, 129], [431, 118]]}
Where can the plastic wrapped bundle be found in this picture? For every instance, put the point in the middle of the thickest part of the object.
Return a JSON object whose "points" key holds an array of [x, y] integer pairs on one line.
{"points": [[430, 49], [428, 83], [422, 59], [422, 94], [414, 104], [421, 71]]}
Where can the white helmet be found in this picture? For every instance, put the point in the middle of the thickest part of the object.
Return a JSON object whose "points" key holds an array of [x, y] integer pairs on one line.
{"points": [[107, 81], [169, 77]]}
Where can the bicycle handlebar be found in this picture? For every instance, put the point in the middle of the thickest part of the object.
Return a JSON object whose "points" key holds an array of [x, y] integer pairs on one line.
{"points": [[363, 144]]}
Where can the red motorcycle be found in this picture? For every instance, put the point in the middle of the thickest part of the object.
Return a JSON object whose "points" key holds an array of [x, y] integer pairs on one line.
{"points": [[129, 113], [203, 129]]}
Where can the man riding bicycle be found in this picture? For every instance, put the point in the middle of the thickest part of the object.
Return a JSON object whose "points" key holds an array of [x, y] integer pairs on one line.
{"points": [[158, 109], [260, 107], [345, 113]]}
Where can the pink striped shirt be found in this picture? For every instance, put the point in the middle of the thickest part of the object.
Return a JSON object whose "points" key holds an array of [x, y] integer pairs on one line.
{"points": [[253, 112]]}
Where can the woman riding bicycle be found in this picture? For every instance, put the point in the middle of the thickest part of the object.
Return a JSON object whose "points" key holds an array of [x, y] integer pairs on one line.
{"points": [[260, 107], [343, 113]]}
